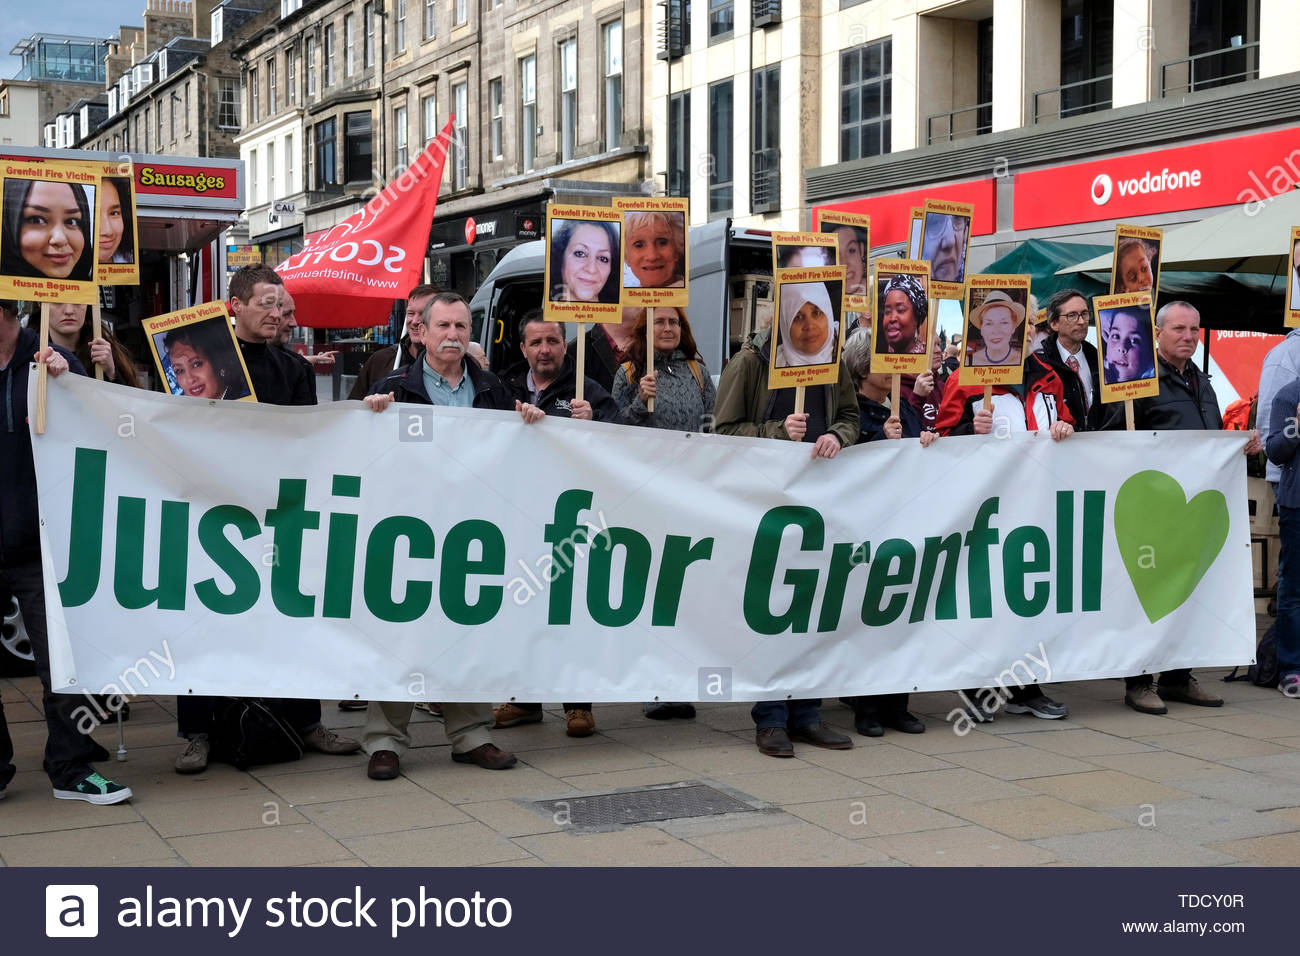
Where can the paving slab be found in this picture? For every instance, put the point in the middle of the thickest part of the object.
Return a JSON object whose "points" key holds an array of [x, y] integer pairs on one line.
{"points": [[458, 844], [1019, 763], [108, 845], [1206, 820], [874, 816], [290, 845], [1132, 847], [1033, 818], [949, 788], [385, 812], [960, 846], [794, 843], [1082, 742], [215, 814], [632, 846], [1105, 788]]}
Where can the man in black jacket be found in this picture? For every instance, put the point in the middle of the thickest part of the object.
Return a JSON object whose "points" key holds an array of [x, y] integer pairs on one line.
{"points": [[393, 358], [1066, 351], [68, 751], [1186, 401], [440, 376], [279, 378]]}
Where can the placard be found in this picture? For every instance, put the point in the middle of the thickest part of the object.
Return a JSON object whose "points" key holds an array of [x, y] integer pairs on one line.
{"points": [[804, 250], [808, 334], [993, 346], [196, 353], [852, 232], [945, 241], [914, 234], [1292, 314], [584, 263], [1136, 264], [656, 254], [898, 336], [48, 235], [1126, 339], [117, 245]]}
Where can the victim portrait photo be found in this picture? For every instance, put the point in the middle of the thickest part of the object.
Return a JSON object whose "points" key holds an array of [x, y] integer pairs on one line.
{"points": [[48, 230]]}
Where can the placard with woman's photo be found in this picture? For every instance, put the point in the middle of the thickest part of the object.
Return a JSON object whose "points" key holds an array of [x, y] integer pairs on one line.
{"points": [[900, 326], [945, 242], [809, 331], [852, 232], [197, 355], [655, 251], [994, 341], [584, 263]]}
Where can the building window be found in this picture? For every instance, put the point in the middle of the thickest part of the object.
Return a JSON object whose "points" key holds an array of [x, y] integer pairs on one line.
{"points": [[460, 144], [568, 100], [255, 98], [187, 106], [289, 185], [613, 84], [765, 137], [309, 182], [401, 157], [428, 119], [329, 56], [462, 12], [1087, 50], [171, 109], [310, 55], [252, 177], [270, 171], [721, 124], [496, 116], [722, 19], [428, 19], [227, 102], [349, 45], [866, 93], [158, 124], [368, 24], [357, 162], [271, 91], [326, 154], [401, 26], [528, 115], [679, 144], [290, 79]]}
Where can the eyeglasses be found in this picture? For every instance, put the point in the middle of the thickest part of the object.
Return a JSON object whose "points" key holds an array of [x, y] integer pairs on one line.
{"points": [[1074, 316]]}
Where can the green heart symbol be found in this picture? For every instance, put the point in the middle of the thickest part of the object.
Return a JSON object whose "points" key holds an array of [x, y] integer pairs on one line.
{"points": [[1166, 541]]}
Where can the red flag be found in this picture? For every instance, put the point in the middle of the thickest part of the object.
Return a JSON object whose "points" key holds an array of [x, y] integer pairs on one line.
{"points": [[347, 276]]}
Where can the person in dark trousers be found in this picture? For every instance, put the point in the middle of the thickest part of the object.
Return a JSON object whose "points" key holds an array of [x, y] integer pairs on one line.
{"points": [[278, 379], [546, 379], [1282, 445], [68, 752], [1186, 401], [746, 407], [394, 358]]}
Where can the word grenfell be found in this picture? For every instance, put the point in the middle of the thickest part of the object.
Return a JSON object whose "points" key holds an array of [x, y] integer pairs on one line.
{"points": [[621, 581]]}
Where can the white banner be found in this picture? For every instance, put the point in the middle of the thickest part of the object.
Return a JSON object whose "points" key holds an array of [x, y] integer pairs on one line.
{"points": [[446, 554]]}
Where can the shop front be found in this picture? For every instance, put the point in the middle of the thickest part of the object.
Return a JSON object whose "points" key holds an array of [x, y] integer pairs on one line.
{"points": [[464, 249]]}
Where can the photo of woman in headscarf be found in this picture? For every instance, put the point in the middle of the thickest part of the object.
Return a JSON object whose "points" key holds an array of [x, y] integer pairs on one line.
{"points": [[902, 311], [1127, 352], [47, 230], [808, 330], [202, 361]]}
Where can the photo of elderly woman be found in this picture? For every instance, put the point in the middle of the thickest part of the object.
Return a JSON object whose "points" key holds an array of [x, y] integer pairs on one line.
{"points": [[116, 216], [808, 331], [1127, 351], [1137, 262], [201, 360], [943, 244], [997, 330], [852, 241], [655, 249], [47, 230], [584, 261], [901, 312]]}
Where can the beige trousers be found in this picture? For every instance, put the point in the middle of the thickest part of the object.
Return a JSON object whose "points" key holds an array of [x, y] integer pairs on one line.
{"points": [[467, 726]]}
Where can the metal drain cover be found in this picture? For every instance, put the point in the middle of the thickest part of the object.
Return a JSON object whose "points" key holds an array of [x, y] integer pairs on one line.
{"points": [[641, 806]]}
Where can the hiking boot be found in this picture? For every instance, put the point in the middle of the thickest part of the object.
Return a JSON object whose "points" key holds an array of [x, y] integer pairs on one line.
{"points": [[579, 723], [325, 741], [1040, 706], [512, 715], [773, 742], [487, 756], [1190, 693], [1145, 700], [195, 757], [95, 789]]}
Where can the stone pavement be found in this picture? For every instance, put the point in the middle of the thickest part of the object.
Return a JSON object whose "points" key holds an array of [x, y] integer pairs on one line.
{"points": [[1199, 787]]}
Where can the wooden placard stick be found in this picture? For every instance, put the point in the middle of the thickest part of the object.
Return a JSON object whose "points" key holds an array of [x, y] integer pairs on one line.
{"points": [[97, 332], [581, 361], [42, 371], [799, 391], [988, 397], [895, 396], [1128, 413], [650, 351]]}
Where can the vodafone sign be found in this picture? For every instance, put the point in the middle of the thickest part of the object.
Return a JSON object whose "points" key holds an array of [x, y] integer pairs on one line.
{"points": [[1237, 170]]}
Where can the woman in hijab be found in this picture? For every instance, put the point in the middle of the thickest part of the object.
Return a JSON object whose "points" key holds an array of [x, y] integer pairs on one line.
{"points": [[903, 311], [809, 331]]}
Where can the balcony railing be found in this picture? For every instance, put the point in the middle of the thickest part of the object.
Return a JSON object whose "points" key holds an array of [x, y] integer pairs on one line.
{"points": [[1074, 99], [766, 12], [673, 30], [1203, 71], [959, 124], [765, 182]]}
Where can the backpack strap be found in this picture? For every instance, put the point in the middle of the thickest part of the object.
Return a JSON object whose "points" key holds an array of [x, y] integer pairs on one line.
{"points": [[629, 370], [695, 370]]}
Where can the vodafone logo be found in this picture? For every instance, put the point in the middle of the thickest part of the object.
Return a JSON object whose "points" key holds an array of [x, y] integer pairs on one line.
{"points": [[1101, 189], [1166, 180]]}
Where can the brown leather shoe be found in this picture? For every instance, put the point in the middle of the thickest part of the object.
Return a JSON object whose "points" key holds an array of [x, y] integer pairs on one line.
{"points": [[774, 742], [487, 756], [1190, 693], [819, 735], [510, 715], [1145, 700], [383, 765], [579, 723]]}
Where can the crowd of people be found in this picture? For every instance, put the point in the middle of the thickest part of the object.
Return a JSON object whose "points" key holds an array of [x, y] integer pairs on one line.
{"points": [[672, 389]]}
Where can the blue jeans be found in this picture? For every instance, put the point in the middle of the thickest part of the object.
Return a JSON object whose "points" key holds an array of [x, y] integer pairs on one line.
{"points": [[1288, 592], [785, 714]]}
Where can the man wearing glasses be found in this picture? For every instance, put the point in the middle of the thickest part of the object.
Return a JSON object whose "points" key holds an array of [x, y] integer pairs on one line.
{"points": [[1067, 352]]}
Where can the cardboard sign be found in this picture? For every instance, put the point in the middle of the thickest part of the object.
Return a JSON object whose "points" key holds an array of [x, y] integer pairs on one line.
{"points": [[1126, 346], [197, 355], [584, 263], [945, 241], [655, 251], [48, 236], [807, 334], [899, 329], [914, 235], [852, 231], [1136, 265], [117, 260], [804, 250], [1291, 316], [994, 341]]}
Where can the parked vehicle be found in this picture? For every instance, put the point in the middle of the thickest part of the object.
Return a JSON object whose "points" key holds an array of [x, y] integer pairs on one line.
{"points": [[730, 283]]}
